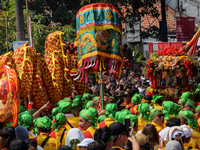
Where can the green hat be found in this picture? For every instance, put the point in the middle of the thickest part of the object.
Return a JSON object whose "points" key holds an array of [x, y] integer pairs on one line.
{"points": [[112, 99], [111, 110], [94, 111], [76, 103], [35, 131], [187, 114], [191, 103], [89, 104], [101, 118], [154, 112], [77, 97], [136, 98], [31, 111], [143, 109], [182, 101], [167, 108], [186, 95], [60, 120], [25, 120], [66, 99], [44, 122], [176, 110], [21, 107], [156, 98], [96, 98], [65, 107], [121, 114], [55, 104], [197, 91], [134, 118], [198, 108], [89, 115], [54, 112]]}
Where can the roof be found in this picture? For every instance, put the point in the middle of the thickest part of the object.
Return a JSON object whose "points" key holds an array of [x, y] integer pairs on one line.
{"points": [[149, 21]]}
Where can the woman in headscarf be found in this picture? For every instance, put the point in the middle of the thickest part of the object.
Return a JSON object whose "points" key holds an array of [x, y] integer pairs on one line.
{"points": [[157, 119], [187, 118], [143, 110], [190, 105], [26, 120], [109, 116], [74, 137], [21, 133], [157, 101], [60, 132], [87, 122]]}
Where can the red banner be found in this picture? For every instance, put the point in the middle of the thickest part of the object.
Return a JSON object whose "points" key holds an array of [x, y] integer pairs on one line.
{"points": [[184, 28], [150, 49]]}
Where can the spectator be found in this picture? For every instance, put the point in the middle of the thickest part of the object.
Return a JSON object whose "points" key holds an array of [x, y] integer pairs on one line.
{"points": [[173, 122], [7, 135], [97, 145], [18, 144], [173, 145], [74, 137], [21, 133], [32, 145], [152, 136], [143, 141], [104, 134], [84, 144]]}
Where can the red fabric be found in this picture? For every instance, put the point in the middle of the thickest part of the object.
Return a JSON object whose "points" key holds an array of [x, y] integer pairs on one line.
{"points": [[176, 44], [162, 45], [87, 134], [150, 49], [31, 106], [50, 108], [102, 124], [53, 135]]}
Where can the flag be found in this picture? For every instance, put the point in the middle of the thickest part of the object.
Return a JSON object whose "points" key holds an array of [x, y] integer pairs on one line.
{"points": [[190, 47]]}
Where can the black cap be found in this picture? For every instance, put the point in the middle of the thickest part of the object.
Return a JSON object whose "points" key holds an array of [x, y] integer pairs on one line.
{"points": [[18, 145], [117, 128]]}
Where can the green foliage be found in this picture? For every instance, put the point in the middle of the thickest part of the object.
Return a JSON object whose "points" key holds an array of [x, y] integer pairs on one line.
{"points": [[39, 30]]}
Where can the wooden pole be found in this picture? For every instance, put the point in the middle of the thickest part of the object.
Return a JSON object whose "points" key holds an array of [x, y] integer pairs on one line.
{"points": [[7, 31], [27, 19], [101, 76]]}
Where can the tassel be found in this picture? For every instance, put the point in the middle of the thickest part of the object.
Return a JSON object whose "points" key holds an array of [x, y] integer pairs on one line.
{"points": [[81, 77]]}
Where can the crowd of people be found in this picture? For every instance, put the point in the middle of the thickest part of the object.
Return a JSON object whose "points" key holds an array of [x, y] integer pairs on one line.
{"points": [[85, 123]]}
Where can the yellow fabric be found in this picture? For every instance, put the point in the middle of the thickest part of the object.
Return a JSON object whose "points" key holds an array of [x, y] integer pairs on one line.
{"points": [[73, 121], [108, 121], [141, 123], [195, 135], [158, 147], [192, 142], [91, 130], [52, 143], [118, 147], [157, 106], [186, 145], [59, 134], [30, 136], [158, 127]]}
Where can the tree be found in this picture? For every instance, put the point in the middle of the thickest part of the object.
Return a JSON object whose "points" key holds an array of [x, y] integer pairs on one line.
{"points": [[63, 11], [133, 11], [39, 29]]}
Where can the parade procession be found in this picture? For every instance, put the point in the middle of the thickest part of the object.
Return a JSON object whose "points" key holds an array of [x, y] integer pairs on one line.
{"points": [[91, 92]]}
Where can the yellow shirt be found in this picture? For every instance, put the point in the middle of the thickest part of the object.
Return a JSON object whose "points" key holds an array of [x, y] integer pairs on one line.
{"points": [[196, 136], [186, 145], [73, 121], [89, 133], [57, 135], [52, 143], [31, 135], [158, 127], [106, 122], [141, 123], [157, 106]]}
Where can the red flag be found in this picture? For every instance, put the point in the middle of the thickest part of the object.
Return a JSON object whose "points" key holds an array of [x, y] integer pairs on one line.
{"points": [[190, 47], [162, 45], [176, 44], [150, 49]]}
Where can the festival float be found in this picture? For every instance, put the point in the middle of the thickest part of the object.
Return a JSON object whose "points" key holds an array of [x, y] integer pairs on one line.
{"points": [[168, 71]]}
